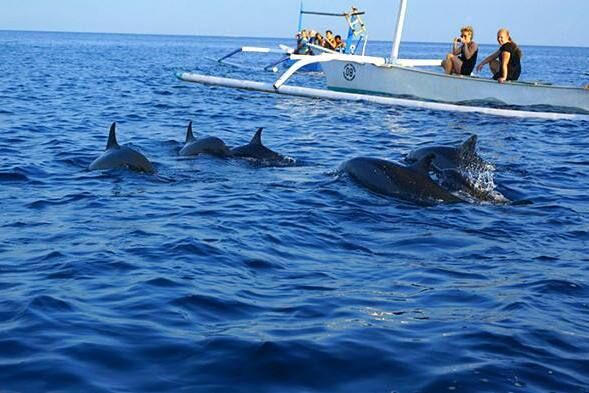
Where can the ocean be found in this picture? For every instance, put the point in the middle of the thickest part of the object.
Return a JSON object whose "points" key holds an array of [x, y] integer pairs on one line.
{"points": [[219, 275]]}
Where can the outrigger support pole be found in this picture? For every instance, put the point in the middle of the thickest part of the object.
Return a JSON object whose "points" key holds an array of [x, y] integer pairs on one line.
{"points": [[399, 31]]}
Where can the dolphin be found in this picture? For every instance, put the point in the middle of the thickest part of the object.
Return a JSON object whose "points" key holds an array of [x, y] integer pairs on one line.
{"points": [[256, 150], [207, 145], [446, 157], [455, 180], [406, 182], [117, 156], [455, 168]]}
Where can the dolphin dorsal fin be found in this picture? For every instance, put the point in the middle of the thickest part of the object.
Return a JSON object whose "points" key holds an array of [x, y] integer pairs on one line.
{"points": [[468, 148], [189, 134], [257, 139], [112, 137], [424, 165]]}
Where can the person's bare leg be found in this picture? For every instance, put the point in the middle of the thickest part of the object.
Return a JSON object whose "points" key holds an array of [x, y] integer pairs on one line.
{"points": [[447, 64], [444, 63], [456, 65], [494, 66]]}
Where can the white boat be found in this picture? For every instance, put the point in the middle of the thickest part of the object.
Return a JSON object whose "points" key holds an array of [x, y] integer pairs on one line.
{"points": [[399, 77], [390, 80]]}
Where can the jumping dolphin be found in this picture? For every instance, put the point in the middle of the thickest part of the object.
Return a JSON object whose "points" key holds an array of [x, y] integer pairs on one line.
{"points": [[407, 182], [207, 145], [446, 157], [116, 156], [256, 150]]}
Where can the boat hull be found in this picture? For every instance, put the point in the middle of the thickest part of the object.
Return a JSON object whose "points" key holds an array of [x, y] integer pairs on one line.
{"points": [[314, 67], [395, 80]]}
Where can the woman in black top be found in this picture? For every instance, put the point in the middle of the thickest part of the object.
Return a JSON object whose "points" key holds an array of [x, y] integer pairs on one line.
{"points": [[464, 54], [505, 63]]}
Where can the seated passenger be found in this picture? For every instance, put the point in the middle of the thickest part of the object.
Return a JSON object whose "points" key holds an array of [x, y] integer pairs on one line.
{"points": [[319, 40], [505, 63], [302, 41], [339, 44], [464, 54], [329, 40]]}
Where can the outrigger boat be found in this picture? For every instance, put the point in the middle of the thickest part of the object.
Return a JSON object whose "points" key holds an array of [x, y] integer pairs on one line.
{"points": [[381, 80], [356, 40]]}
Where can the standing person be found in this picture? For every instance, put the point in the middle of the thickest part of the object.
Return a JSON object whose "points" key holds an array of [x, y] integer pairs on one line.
{"points": [[505, 63], [463, 57]]}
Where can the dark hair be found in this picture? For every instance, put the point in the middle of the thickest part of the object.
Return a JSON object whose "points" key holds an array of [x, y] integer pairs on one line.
{"points": [[329, 31], [519, 51], [338, 36]]}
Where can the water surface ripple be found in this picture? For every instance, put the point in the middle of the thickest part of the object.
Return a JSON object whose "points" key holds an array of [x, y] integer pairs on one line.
{"points": [[218, 275]]}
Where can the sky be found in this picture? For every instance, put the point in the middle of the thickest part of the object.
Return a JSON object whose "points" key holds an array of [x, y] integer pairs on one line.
{"points": [[532, 22]]}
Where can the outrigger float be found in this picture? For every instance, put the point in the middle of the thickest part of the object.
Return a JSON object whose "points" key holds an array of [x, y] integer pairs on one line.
{"points": [[380, 80]]}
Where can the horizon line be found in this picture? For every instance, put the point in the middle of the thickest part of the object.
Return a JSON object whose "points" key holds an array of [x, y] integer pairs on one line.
{"points": [[259, 37]]}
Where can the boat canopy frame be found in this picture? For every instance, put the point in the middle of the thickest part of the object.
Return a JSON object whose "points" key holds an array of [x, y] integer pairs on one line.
{"points": [[357, 37], [357, 33]]}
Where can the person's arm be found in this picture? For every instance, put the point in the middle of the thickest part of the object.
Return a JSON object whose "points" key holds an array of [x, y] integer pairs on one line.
{"points": [[488, 59], [505, 57], [470, 50], [455, 47]]}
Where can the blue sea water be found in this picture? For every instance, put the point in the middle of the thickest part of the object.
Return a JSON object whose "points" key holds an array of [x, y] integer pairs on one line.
{"points": [[222, 276]]}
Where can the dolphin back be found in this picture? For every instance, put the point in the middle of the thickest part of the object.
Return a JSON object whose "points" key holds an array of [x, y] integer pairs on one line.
{"points": [[256, 150], [122, 158], [189, 134], [424, 164], [257, 138], [207, 145], [392, 179], [469, 147], [117, 157], [112, 137]]}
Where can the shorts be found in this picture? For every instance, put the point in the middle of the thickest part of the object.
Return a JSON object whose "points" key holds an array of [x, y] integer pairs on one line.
{"points": [[512, 75]]}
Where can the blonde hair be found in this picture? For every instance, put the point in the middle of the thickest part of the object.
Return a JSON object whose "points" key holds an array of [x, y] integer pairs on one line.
{"points": [[517, 48], [468, 29]]}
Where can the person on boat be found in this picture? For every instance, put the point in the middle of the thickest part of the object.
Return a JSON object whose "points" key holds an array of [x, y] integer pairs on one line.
{"points": [[302, 41], [339, 44], [505, 63], [329, 40], [319, 40], [463, 57]]}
